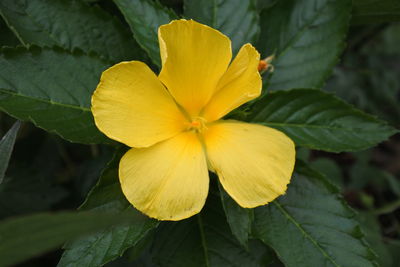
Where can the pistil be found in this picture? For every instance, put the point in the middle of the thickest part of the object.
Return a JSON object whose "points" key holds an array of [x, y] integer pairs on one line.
{"points": [[197, 124]]}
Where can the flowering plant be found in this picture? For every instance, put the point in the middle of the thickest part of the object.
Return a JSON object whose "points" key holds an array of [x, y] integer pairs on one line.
{"points": [[185, 131]]}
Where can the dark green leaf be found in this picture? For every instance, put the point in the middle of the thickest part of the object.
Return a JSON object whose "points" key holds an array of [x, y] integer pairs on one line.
{"points": [[306, 37], [370, 226], [69, 24], [393, 181], [51, 88], [238, 19], [263, 4], [144, 17], [239, 219], [204, 240], [7, 37], [28, 193], [362, 173], [375, 11], [318, 120], [102, 247], [330, 169], [6, 148], [32, 183], [312, 226], [90, 170], [374, 85], [25, 237], [394, 247]]}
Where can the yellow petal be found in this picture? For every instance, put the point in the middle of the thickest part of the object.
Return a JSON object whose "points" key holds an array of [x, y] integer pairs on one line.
{"points": [[240, 84], [168, 181], [254, 163], [132, 106], [194, 57]]}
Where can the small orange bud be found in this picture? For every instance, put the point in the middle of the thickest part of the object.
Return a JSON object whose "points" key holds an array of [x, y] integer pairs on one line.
{"points": [[262, 65], [265, 64]]}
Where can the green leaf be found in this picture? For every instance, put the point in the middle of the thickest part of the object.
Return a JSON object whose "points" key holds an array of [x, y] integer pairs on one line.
{"points": [[102, 247], [393, 182], [312, 226], [394, 247], [144, 17], [52, 88], [373, 234], [263, 4], [203, 240], [238, 19], [306, 37], [6, 148], [71, 25], [318, 120], [27, 191], [330, 169], [32, 183], [7, 37], [375, 11], [24, 237], [239, 219]]}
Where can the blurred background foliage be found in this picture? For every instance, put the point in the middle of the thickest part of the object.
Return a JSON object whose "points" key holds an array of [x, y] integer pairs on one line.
{"points": [[47, 173], [368, 77]]}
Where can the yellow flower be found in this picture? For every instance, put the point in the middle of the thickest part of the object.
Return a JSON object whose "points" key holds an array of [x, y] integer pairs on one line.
{"points": [[173, 124]]}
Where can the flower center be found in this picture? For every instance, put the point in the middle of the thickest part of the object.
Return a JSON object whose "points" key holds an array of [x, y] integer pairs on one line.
{"points": [[197, 124]]}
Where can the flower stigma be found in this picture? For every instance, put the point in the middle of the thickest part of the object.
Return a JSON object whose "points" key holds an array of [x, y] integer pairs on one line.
{"points": [[197, 124]]}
